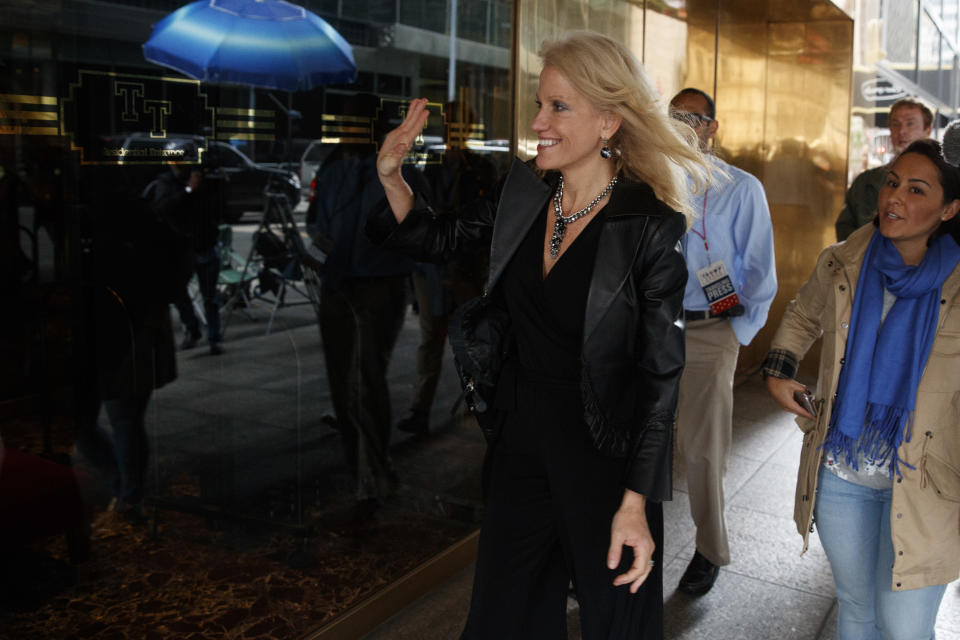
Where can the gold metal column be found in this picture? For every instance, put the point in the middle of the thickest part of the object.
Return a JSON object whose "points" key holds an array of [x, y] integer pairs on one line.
{"points": [[783, 101]]}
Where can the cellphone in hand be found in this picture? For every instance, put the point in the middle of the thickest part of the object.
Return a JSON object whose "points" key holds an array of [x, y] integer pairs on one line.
{"points": [[805, 400]]}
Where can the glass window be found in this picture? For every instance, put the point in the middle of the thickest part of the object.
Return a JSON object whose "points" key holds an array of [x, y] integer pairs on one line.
{"points": [[234, 367], [374, 11], [900, 41], [501, 20], [949, 19], [929, 58], [947, 66], [946, 51], [486, 21], [431, 15], [326, 8], [474, 20]]}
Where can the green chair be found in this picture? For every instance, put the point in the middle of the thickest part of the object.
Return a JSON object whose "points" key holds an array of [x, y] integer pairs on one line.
{"points": [[234, 281]]}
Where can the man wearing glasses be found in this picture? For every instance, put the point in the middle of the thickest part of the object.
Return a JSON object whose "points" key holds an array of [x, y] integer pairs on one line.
{"points": [[732, 281]]}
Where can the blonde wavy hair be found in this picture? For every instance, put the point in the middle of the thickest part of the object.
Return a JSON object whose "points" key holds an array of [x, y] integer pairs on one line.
{"points": [[649, 146]]}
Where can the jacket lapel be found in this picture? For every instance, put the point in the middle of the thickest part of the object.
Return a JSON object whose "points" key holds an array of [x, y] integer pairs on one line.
{"points": [[620, 238], [850, 255], [524, 195]]}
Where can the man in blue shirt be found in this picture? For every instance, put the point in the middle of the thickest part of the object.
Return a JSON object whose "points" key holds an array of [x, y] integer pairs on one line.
{"points": [[732, 281]]}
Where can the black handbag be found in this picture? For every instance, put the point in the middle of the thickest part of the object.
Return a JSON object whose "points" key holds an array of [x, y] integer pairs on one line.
{"points": [[479, 337]]}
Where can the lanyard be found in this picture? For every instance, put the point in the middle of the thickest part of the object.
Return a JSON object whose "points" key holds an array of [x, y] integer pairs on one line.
{"points": [[703, 225]]}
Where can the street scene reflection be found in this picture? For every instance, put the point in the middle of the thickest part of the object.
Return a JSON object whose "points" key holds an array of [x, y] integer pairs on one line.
{"points": [[236, 407], [225, 414]]}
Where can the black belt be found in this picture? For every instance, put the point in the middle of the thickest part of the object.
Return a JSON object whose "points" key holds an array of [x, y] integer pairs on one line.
{"points": [[692, 316], [706, 314]]}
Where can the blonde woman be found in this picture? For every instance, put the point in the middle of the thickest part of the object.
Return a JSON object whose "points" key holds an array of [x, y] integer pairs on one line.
{"points": [[585, 267]]}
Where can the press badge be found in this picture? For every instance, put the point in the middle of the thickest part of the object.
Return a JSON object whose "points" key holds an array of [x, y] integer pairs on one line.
{"points": [[718, 287]]}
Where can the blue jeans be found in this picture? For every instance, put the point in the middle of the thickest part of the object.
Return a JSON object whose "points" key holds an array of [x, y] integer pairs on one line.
{"points": [[122, 458], [130, 443], [853, 523]]}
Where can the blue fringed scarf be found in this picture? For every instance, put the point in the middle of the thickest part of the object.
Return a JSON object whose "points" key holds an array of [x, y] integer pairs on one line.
{"points": [[877, 390]]}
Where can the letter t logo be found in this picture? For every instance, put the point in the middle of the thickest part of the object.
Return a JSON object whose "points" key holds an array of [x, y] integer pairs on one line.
{"points": [[131, 92]]}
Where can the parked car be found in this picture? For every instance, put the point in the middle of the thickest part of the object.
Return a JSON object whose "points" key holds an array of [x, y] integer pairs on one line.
{"points": [[279, 154], [247, 180], [244, 180], [313, 156]]}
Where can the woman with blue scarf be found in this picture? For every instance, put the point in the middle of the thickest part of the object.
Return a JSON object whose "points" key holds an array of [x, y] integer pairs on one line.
{"points": [[879, 472]]}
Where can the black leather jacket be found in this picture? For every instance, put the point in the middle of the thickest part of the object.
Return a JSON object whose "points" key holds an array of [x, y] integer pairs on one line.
{"points": [[633, 349]]}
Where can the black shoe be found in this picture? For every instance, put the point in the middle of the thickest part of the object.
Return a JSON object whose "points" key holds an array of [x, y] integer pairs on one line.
{"points": [[416, 422], [215, 349], [699, 576]]}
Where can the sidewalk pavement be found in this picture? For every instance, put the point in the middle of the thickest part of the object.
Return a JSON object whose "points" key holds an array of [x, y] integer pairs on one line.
{"points": [[769, 590]]}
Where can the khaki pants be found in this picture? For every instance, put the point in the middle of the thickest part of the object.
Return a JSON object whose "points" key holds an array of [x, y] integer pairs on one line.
{"points": [[704, 427]]}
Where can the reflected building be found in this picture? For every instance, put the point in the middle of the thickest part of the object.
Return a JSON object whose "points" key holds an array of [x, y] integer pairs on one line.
{"points": [[248, 496]]}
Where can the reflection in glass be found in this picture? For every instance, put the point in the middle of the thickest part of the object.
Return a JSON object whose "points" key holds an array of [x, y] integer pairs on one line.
{"points": [[929, 54], [249, 462], [950, 19], [900, 20]]}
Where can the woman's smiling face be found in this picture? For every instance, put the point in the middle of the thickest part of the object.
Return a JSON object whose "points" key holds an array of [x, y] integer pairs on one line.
{"points": [[910, 205], [568, 127]]}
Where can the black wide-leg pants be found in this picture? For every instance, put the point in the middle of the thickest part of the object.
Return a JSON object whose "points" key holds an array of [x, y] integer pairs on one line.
{"points": [[359, 324], [550, 502]]}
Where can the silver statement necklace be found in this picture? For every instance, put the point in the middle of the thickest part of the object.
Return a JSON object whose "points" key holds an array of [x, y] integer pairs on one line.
{"points": [[560, 224]]}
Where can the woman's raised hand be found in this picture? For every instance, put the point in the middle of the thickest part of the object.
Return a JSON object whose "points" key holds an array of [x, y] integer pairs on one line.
{"points": [[398, 142], [395, 146]]}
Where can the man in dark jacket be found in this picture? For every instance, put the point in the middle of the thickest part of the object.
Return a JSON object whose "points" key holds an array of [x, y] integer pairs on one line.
{"points": [[363, 299], [126, 348], [185, 199]]}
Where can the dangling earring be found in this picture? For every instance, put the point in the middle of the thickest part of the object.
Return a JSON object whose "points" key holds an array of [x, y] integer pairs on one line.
{"points": [[605, 153]]}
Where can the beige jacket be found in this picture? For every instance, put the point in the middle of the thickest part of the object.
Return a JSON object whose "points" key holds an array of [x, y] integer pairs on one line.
{"points": [[925, 508]]}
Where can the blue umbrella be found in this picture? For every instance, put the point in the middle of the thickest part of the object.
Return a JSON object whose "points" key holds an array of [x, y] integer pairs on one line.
{"points": [[271, 44]]}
